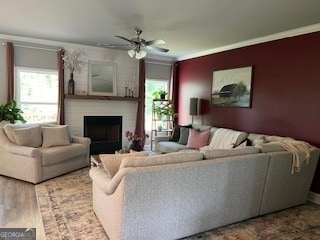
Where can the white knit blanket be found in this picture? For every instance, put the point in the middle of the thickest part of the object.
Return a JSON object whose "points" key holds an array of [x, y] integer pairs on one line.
{"points": [[300, 150], [224, 139]]}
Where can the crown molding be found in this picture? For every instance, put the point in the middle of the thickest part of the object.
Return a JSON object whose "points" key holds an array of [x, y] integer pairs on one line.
{"points": [[30, 40], [272, 37], [47, 43]]}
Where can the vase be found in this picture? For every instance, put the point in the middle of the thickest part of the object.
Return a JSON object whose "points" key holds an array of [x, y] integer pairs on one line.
{"points": [[71, 84], [136, 146]]}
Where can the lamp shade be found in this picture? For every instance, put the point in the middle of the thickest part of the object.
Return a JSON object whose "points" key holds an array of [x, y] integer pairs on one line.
{"points": [[138, 54], [141, 54], [194, 106], [132, 52]]}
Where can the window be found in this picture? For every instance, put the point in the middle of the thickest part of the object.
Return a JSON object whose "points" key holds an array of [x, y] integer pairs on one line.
{"points": [[37, 93], [152, 85]]}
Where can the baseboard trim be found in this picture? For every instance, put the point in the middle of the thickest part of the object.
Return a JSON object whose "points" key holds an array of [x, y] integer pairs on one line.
{"points": [[314, 197]]}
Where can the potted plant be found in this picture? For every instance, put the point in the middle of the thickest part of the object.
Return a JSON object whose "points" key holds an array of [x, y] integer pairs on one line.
{"points": [[11, 113], [165, 110], [161, 94]]}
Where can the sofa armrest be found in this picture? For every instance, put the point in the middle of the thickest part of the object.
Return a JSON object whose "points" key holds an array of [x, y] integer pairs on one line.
{"points": [[103, 181], [22, 150], [161, 139], [85, 141], [17, 149], [82, 140]]}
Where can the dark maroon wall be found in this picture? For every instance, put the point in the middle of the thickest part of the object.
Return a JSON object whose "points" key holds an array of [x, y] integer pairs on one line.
{"points": [[285, 89]]}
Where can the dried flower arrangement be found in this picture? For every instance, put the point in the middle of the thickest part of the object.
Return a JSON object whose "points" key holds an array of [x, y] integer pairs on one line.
{"points": [[74, 61]]}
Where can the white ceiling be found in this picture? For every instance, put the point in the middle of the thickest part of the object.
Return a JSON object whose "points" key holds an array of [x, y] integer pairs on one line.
{"points": [[188, 26]]}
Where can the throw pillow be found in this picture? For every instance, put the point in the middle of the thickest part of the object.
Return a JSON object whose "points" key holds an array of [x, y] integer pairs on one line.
{"points": [[8, 129], [198, 139], [184, 135], [112, 162], [29, 137], [175, 134], [55, 136]]}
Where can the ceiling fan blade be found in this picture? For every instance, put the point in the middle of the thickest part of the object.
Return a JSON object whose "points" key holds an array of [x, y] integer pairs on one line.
{"points": [[112, 45], [154, 42], [126, 39], [157, 49]]}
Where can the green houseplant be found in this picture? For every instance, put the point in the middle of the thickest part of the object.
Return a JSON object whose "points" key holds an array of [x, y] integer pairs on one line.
{"points": [[10, 112], [165, 110], [161, 94]]}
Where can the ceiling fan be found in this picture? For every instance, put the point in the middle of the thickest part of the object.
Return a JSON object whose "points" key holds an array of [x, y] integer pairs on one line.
{"points": [[138, 44]]}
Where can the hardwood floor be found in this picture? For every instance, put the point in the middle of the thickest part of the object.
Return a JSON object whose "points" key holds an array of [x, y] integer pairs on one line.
{"points": [[18, 206]]}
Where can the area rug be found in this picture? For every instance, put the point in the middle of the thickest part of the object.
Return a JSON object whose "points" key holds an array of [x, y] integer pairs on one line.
{"points": [[66, 208]]}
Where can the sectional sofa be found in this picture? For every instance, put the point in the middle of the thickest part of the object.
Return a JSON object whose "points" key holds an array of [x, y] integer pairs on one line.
{"points": [[174, 195]]}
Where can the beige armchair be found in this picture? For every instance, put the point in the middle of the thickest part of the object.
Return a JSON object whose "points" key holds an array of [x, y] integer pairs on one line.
{"points": [[35, 153]]}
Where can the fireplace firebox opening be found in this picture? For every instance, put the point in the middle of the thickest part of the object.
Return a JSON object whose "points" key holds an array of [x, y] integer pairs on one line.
{"points": [[105, 133]]}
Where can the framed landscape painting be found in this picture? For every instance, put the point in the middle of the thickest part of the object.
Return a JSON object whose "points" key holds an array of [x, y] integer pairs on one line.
{"points": [[232, 87], [102, 78]]}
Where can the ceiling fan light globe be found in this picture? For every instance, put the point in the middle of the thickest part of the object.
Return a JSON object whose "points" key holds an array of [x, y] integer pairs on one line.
{"points": [[141, 54], [131, 53]]}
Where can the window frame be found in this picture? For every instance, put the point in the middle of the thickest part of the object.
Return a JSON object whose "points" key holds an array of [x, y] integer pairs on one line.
{"points": [[17, 92]]}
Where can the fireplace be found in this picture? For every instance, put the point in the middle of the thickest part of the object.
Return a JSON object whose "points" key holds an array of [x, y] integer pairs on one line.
{"points": [[105, 133]]}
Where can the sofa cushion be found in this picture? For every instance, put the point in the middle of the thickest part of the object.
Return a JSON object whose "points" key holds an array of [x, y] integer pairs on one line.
{"points": [[227, 138], [55, 136], [217, 153], [197, 139], [8, 129], [169, 158], [29, 137], [168, 147], [57, 154], [112, 162]]}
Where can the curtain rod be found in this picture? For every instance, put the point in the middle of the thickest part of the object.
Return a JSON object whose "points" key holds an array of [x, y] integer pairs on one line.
{"points": [[38, 48]]}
